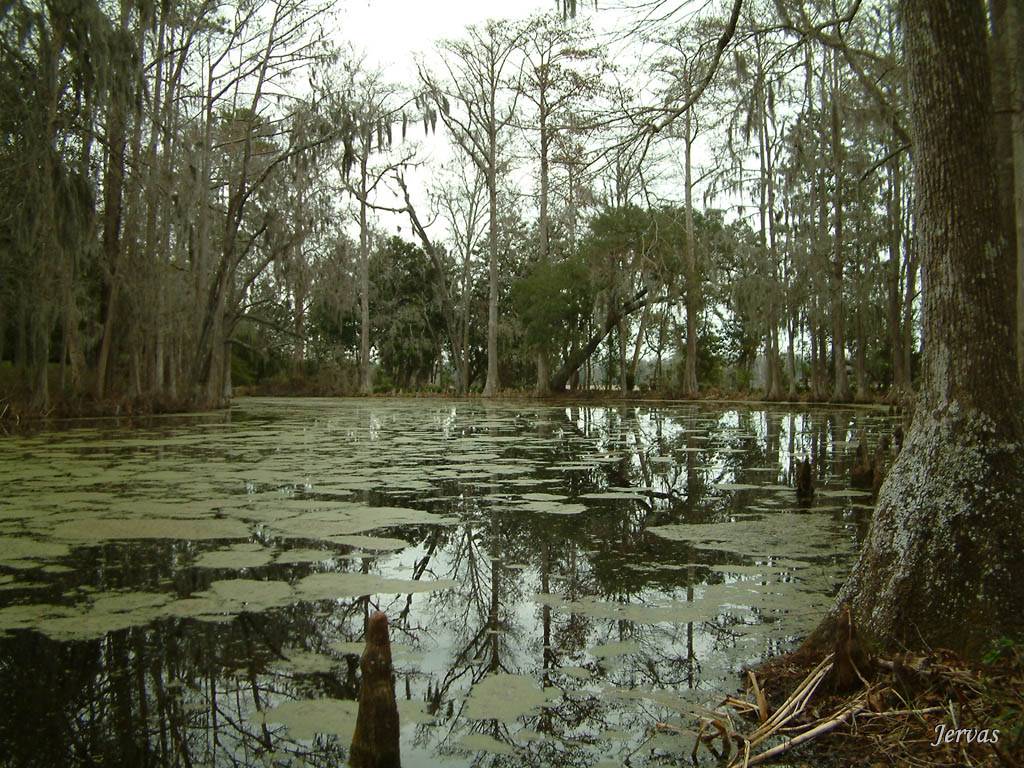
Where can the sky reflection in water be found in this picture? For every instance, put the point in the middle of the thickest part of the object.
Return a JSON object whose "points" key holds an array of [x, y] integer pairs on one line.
{"points": [[558, 579]]}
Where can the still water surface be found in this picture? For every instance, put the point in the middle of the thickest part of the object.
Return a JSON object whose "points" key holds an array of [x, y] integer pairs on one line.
{"points": [[558, 579]]}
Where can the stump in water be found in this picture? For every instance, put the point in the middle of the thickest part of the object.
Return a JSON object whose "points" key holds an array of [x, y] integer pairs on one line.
{"points": [[881, 453], [375, 741], [862, 473], [804, 481]]}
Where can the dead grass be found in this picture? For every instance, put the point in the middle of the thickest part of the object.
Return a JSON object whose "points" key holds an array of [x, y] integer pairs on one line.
{"points": [[894, 717]]}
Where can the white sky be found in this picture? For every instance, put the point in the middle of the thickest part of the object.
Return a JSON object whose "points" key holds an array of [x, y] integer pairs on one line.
{"points": [[392, 33]]}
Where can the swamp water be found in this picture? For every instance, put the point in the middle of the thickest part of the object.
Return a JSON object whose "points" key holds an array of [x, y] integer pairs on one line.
{"points": [[558, 579]]}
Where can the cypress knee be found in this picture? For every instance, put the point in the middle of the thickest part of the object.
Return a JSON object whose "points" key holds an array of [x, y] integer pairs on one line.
{"points": [[375, 741], [804, 481]]}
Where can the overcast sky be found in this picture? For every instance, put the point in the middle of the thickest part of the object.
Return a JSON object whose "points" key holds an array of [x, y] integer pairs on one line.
{"points": [[392, 33]]}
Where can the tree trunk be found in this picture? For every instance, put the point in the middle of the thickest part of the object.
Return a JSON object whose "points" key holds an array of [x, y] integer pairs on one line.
{"points": [[690, 385], [623, 378], [791, 393], [466, 289], [365, 386], [910, 291], [894, 205], [841, 392], [944, 558], [815, 375], [634, 363], [491, 384], [543, 370], [113, 192], [860, 362], [1007, 63]]}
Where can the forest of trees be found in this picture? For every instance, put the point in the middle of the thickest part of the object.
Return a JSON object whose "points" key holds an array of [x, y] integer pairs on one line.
{"points": [[202, 194]]}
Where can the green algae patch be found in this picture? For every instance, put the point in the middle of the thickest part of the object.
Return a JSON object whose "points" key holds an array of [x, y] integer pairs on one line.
{"points": [[238, 557], [371, 543], [551, 508], [303, 662], [665, 611], [481, 742], [237, 595], [539, 496], [306, 718], [331, 586], [32, 615], [343, 519], [105, 612], [99, 530], [13, 549], [411, 711], [577, 673], [506, 698], [782, 534], [298, 556]]}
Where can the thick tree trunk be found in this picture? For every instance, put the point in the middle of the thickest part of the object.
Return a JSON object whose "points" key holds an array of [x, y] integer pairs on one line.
{"points": [[909, 293], [944, 558]]}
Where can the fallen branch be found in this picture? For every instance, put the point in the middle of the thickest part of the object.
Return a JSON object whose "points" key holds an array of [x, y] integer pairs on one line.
{"points": [[834, 722]]}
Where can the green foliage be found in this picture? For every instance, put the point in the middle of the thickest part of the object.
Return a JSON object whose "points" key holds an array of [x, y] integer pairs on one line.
{"points": [[1005, 649], [631, 239], [407, 322], [241, 372], [550, 299], [712, 359], [1005, 658]]}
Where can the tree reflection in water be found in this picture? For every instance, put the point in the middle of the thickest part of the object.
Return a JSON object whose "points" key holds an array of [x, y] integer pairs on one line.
{"points": [[606, 665]]}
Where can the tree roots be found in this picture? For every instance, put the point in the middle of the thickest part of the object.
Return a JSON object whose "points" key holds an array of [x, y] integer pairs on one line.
{"points": [[911, 710]]}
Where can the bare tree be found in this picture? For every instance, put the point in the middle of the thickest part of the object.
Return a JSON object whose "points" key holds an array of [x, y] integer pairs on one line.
{"points": [[368, 108], [470, 101], [558, 73], [459, 198]]}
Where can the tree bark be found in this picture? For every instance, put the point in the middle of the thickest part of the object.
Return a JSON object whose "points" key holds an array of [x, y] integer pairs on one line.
{"points": [[543, 373], [841, 392], [113, 193], [491, 383], [1008, 122], [690, 385], [944, 558], [892, 278], [365, 386], [634, 363]]}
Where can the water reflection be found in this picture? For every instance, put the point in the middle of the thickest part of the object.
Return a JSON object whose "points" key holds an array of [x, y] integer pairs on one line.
{"points": [[566, 534]]}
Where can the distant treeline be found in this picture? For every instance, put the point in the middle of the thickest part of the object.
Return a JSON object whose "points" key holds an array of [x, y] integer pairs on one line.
{"points": [[191, 196]]}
